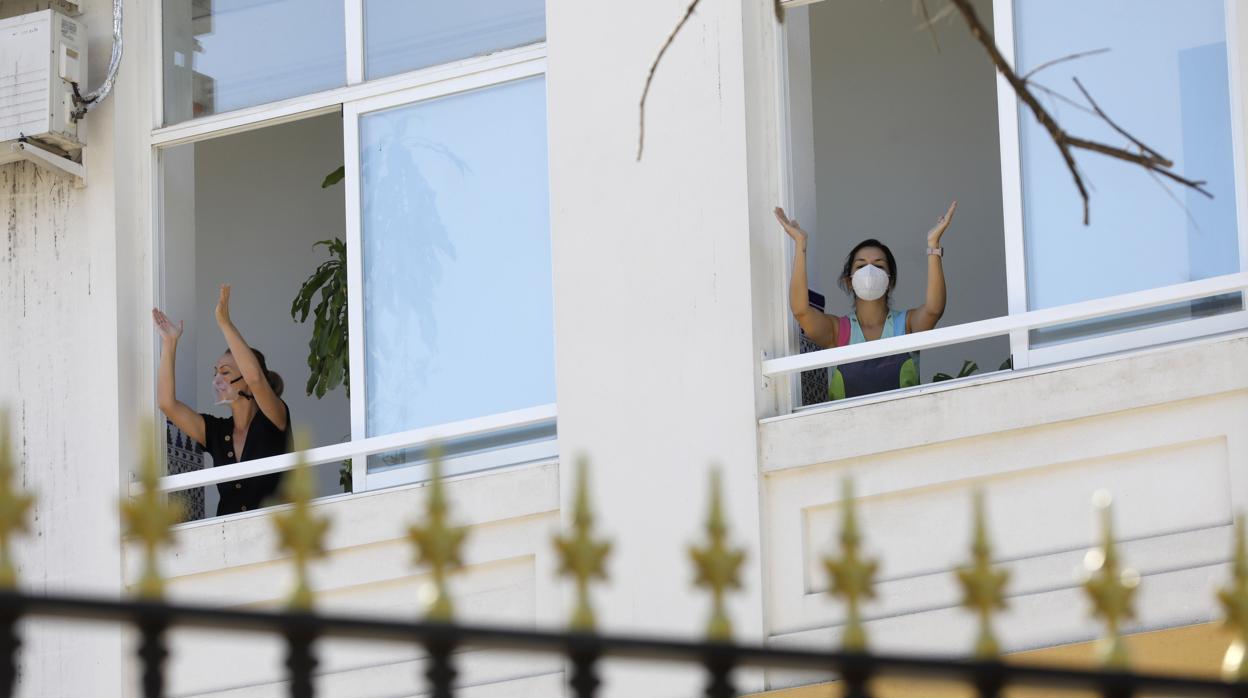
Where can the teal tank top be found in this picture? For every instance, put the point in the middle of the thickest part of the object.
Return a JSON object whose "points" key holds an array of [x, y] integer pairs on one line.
{"points": [[873, 375]]}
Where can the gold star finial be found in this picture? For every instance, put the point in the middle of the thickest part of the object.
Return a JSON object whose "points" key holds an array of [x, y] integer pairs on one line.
{"points": [[438, 543], [852, 576], [149, 516], [299, 531], [581, 557], [1111, 589], [1234, 598], [717, 566], [983, 586], [14, 507]]}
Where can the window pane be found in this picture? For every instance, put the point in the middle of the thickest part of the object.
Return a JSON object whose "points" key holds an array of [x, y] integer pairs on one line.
{"points": [[248, 209], [457, 276], [221, 55], [917, 134], [402, 35], [1165, 80]]}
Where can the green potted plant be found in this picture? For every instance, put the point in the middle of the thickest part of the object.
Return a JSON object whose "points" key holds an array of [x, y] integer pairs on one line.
{"points": [[329, 361]]}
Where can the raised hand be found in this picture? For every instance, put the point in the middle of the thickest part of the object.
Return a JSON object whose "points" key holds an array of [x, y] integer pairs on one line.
{"points": [[942, 224], [792, 228], [169, 332], [223, 305]]}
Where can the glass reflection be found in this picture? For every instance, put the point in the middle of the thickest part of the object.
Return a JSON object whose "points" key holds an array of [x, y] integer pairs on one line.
{"points": [[402, 35], [221, 55], [456, 255]]}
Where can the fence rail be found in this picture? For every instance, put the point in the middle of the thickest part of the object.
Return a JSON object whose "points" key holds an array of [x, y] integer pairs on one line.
{"points": [[583, 651]]}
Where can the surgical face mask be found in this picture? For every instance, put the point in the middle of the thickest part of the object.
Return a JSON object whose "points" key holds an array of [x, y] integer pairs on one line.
{"points": [[222, 386], [870, 282]]}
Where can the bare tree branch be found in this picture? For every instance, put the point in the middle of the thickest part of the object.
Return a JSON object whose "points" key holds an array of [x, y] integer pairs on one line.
{"points": [[1148, 158], [641, 134], [1097, 108], [1062, 98], [920, 6], [1063, 59], [1175, 198]]}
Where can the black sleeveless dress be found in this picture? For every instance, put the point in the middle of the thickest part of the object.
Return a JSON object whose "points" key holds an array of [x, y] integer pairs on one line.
{"points": [[264, 439]]}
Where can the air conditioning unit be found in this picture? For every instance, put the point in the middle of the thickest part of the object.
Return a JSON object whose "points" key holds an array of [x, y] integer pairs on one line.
{"points": [[41, 55]]}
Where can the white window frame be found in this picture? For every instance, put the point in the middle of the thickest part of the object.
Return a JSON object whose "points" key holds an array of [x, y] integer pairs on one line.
{"points": [[355, 100], [352, 114], [1009, 115], [1021, 321]]}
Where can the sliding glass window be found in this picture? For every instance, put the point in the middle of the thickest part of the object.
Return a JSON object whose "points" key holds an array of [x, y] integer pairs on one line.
{"points": [[1165, 78], [883, 131], [456, 237], [222, 55], [402, 35]]}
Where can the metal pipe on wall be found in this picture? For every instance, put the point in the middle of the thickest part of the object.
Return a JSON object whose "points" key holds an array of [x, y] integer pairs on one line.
{"points": [[91, 100]]}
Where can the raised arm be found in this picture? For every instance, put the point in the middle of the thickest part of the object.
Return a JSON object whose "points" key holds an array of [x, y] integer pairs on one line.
{"points": [[927, 315], [821, 328], [257, 383], [181, 414]]}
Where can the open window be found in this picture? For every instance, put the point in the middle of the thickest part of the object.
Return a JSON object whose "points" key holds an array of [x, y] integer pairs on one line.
{"points": [[883, 130], [432, 151], [884, 134], [248, 209]]}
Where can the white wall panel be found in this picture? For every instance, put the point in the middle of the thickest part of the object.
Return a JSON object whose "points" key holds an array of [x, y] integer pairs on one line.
{"points": [[1176, 469], [509, 577]]}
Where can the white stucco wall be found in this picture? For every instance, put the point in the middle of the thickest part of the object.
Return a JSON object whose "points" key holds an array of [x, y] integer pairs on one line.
{"points": [[71, 264], [654, 299], [508, 577], [1160, 430]]}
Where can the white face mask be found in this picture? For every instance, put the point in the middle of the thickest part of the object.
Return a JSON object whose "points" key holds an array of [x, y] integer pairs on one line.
{"points": [[870, 282]]}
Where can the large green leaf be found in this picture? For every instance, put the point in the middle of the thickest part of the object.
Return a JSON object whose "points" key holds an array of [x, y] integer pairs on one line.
{"points": [[334, 177], [328, 360]]}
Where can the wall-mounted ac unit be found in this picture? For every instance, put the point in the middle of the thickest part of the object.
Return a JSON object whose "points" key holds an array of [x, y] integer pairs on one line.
{"points": [[41, 55]]}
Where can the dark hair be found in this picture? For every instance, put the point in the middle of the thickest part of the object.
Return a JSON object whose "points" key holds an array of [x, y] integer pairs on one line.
{"points": [[275, 380], [848, 270]]}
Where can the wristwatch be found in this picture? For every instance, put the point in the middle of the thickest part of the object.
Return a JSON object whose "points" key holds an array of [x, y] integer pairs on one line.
{"points": [[938, 251]]}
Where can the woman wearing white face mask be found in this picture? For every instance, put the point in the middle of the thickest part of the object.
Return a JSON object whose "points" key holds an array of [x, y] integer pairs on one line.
{"points": [[870, 274], [259, 423]]}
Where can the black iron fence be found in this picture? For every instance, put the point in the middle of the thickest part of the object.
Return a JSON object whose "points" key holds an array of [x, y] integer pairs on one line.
{"points": [[582, 651], [1110, 587]]}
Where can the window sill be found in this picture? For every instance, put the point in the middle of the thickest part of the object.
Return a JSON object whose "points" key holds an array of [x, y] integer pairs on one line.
{"points": [[979, 405], [359, 519]]}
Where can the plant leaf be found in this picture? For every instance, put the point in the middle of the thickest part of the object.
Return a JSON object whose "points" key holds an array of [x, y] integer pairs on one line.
{"points": [[334, 177]]}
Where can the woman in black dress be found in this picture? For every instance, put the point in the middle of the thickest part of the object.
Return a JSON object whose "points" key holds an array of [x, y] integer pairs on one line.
{"points": [[259, 424]]}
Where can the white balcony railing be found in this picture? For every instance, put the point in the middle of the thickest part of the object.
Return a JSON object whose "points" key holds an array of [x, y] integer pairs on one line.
{"points": [[545, 415], [443, 434], [995, 327]]}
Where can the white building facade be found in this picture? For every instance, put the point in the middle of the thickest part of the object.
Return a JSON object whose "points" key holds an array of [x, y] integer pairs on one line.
{"points": [[526, 290]]}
